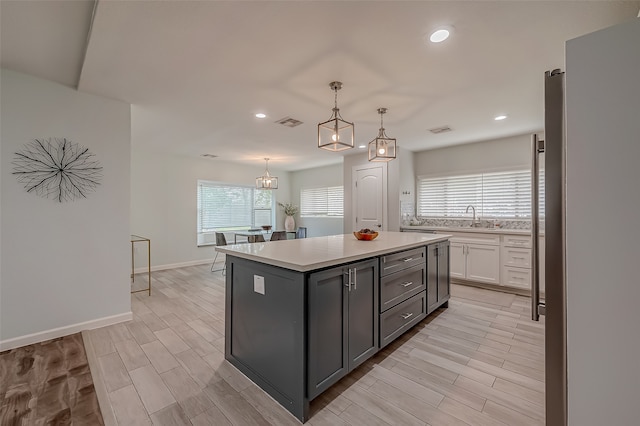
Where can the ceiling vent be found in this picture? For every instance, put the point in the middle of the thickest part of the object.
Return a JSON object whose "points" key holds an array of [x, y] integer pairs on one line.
{"points": [[289, 122], [438, 130], [210, 155]]}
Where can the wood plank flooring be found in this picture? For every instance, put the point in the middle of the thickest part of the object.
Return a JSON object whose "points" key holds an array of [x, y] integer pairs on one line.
{"points": [[479, 362], [48, 383]]}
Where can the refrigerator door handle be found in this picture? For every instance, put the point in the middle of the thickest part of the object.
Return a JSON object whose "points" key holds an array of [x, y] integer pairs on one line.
{"points": [[537, 147]]}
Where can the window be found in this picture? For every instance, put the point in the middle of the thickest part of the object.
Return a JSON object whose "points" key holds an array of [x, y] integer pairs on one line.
{"points": [[494, 195], [226, 207], [322, 202]]}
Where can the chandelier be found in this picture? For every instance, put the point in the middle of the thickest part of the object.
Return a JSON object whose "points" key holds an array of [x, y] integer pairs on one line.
{"points": [[267, 181], [382, 148], [335, 134]]}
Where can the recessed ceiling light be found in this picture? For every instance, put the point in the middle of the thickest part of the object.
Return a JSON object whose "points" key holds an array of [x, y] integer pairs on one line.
{"points": [[500, 117], [260, 115], [362, 146], [439, 35]]}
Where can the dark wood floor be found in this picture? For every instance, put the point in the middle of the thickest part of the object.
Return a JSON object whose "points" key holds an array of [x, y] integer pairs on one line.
{"points": [[48, 383]]}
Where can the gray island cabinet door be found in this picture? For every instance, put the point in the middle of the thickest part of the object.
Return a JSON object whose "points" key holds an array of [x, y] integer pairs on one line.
{"points": [[444, 289], [437, 275], [343, 322]]}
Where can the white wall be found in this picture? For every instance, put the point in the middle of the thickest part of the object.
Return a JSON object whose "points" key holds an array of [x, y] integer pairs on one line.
{"points": [[407, 180], [164, 196], [311, 178], [493, 154], [602, 232], [63, 264]]}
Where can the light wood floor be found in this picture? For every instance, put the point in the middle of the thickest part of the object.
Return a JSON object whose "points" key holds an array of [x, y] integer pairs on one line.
{"points": [[479, 362]]}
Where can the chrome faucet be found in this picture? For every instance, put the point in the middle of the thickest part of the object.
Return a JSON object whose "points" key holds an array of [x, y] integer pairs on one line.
{"points": [[475, 222]]}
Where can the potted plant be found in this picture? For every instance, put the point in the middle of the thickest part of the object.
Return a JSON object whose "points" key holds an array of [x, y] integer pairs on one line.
{"points": [[290, 210]]}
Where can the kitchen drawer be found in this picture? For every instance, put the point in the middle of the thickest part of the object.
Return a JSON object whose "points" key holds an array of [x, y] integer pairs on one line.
{"points": [[402, 317], [516, 241], [518, 257], [516, 277], [397, 287], [402, 260], [474, 238]]}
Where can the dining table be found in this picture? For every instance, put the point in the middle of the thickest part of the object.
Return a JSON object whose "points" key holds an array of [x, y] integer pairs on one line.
{"points": [[249, 234]]}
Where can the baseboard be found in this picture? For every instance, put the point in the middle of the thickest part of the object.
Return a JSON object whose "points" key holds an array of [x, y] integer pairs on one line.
{"points": [[41, 336], [144, 269], [495, 287]]}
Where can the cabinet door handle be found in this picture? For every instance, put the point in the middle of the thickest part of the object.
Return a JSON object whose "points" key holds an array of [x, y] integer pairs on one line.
{"points": [[407, 315], [348, 274], [355, 279], [408, 259], [406, 283]]}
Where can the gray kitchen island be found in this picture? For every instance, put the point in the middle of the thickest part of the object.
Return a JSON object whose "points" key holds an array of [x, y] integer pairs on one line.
{"points": [[301, 314]]}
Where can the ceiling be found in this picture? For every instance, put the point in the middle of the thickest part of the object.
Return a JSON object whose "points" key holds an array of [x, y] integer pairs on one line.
{"points": [[196, 73]]}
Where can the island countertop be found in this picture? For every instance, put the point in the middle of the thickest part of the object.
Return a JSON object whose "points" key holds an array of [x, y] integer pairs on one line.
{"points": [[308, 254]]}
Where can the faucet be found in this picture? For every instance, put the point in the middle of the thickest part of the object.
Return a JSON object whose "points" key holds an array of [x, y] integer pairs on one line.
{"points": [[475, 222]]}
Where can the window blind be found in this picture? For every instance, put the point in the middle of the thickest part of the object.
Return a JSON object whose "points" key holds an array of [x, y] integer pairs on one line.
{"points": [[494, 195], [224, 207], [326, 201]]}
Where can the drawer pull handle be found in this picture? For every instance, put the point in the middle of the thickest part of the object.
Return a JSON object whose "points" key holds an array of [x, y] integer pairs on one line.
{"points": [[408, 259], [518, 257], [406, 283], [407, 316]]}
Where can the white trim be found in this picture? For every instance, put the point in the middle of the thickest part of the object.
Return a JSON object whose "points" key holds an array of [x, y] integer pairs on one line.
{"points": [[144, 269], [42, 336]]}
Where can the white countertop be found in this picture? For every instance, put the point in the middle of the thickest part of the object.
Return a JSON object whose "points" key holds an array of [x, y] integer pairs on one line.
{"points": [[308, 254], [468, 229]]}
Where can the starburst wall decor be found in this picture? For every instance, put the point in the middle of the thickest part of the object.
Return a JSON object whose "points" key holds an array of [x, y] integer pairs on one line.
{"points": [[57, 168]]}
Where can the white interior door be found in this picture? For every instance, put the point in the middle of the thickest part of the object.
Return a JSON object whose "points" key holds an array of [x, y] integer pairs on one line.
{"points": [[369, 197]]}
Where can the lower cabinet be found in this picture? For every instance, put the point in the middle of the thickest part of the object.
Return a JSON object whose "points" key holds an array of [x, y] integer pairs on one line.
{"points": [[402, 317], [475, 257], [343, 322], [356, 309], [438, 285]]}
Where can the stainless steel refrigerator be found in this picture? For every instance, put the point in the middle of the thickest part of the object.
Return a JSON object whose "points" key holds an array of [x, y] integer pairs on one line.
{"points": [[592, 231], [551, 148]]}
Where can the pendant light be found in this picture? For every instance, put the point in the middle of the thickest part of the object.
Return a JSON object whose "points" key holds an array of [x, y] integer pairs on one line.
{"points": [[335, 134], [382, 148], [266, 181]]}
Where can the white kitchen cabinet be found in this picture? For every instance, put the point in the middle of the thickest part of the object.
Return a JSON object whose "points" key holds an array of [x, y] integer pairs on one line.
{"points": [[475, 257], [516, 261], [457, 260], [483, 263]]}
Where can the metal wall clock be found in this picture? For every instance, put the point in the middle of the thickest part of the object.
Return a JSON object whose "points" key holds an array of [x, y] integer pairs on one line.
{"points": [[57, 168]]}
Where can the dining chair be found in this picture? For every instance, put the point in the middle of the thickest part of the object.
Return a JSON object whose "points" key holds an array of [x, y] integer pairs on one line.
{"points": [[220, 241], [301, 232], [258, 239], [279, 235]]}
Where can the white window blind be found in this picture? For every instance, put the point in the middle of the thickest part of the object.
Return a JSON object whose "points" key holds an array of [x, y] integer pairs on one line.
{"points": [[327, 201], [225, 207], [494, 195]]}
